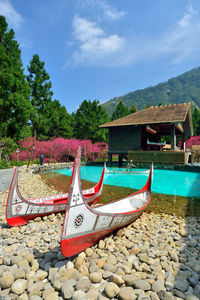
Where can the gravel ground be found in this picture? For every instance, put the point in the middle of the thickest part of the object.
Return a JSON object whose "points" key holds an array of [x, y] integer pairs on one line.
{"points": [[156, 257]]}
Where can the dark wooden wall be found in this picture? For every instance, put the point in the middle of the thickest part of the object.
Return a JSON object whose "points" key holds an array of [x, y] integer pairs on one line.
{"points": [[124, 138]]}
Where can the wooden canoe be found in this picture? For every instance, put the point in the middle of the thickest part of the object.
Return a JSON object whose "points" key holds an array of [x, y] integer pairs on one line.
{"points": [[19, 210], [127, 171], [83, 225]]}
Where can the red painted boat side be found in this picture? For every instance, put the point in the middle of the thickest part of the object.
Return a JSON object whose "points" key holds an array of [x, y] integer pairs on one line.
{"points": [[83, 226], [70, 247], [92, 196], [22, 220]]}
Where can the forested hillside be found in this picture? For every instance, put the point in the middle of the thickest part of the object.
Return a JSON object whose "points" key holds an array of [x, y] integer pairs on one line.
{"points": [[184, 88]]}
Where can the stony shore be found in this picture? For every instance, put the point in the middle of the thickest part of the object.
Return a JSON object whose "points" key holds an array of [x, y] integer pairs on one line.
{"points": [[156, 257]]}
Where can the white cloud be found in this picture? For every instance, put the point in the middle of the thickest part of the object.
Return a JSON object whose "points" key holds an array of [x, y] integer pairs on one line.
{"points": [[12, 16], [183, 42], [85, 30], [94, 46], [175, 45], [108, 10], [114, 14], [111, 12]]}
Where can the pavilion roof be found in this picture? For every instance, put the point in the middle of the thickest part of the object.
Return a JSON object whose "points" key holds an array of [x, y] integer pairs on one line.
{"points": [[157, 115], [153, 115]]}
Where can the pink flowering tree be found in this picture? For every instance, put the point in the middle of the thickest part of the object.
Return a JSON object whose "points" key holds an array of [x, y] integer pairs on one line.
{"points": [[194, 140], [59, 150]]}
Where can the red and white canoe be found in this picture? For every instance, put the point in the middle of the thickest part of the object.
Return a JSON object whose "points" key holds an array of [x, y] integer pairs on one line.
{"points": [[83, 225], [19, 210], [127, 171]]}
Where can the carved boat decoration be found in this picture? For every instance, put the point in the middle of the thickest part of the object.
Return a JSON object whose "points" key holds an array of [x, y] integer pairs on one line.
{"points": [[19, 210], [150, 130], [127, 171], [155, 144], [83, 225]]}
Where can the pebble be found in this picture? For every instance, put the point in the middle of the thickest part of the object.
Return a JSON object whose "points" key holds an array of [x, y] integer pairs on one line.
{"points": [[156, 257], [19, 286], [111, 290]]}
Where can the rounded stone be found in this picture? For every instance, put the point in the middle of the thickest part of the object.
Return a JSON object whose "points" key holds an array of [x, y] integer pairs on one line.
{"points": [[23, 296], [111, 290], [196, 268], [78, 295], [129, 279], [89, 251], [127, 293], [6, 280], [20, 274], [109, 268], [191, 297], [79, 261], [158, 285], [35, 288], [83, 284], [30, 257], [67, 290], [116, 279], [95, 277], [181, 285], [101, 244], [19, 286], [52, 296], [35, 297], [40, 275], [69, 265], [142, 284], [92, 294]]}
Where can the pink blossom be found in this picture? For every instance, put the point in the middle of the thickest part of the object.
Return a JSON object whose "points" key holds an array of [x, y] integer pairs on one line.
{"points": [[59, 149], [194, 140]]}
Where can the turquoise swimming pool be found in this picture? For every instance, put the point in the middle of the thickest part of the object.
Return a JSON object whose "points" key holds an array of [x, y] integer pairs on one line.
{"points": [[169, 182]]}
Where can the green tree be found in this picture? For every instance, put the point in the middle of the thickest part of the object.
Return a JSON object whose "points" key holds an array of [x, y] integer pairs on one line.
{"points": [[196, 121], [87, 119], [7, 146], [14, 90], [41, 95], [59, 121], [120, 111], [133, 109], [148, 105]]}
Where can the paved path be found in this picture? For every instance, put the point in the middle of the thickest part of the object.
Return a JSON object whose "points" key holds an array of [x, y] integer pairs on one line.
{"points": [[5, 178]]}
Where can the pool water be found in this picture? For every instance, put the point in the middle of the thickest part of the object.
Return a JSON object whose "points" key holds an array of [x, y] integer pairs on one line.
{"points": [[177, 183]]}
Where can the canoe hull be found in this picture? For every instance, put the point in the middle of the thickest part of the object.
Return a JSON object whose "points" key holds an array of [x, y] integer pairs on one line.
{"points": [[83, 225], [20, 210], [127, 171], [70, 247]]}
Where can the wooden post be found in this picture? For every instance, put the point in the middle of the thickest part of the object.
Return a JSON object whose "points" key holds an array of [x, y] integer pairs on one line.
{"points": [[173, 137], [109, 159], [120, 161]]}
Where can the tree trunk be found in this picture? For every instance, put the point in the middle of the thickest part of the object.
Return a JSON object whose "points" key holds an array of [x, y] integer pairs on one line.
{"points": [[34, 133]]}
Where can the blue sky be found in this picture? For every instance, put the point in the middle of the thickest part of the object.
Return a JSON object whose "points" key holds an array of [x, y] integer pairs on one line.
{"points": [[99, 49]]}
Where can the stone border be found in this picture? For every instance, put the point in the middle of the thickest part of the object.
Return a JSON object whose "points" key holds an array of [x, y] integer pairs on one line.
{"points": [[58, 166], [49, 167]]}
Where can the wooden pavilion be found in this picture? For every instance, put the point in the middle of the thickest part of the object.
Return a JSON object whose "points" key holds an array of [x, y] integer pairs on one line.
{"points": [[137, 136]]}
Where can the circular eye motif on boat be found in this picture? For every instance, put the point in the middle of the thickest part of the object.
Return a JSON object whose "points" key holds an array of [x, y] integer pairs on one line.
{"points": [[78, 220], [18, 208]]}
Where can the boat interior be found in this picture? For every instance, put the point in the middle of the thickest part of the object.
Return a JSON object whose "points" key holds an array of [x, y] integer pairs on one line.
{"points": [[125, 205]]}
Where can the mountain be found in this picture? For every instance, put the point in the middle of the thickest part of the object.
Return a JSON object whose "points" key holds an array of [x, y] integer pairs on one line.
{"points": [[180, 89]]}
